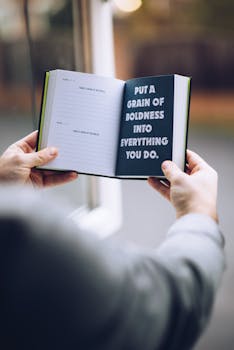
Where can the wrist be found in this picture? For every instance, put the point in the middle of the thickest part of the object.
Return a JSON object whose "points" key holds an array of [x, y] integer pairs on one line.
{"points": [[211, 212]]}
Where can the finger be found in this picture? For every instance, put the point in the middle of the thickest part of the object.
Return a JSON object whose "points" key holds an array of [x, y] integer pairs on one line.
{"points": [[28, 143], [45, 172], [163, 189], [165, 182], [195, 161], [187, 170], [171, 170], [40, 158], [59, 179]]}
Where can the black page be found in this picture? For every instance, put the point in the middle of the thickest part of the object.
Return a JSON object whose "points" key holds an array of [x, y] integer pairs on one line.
{"points": [[148, 158]]}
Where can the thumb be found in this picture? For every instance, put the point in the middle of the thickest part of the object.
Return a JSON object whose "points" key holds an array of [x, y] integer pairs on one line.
{"points": [[41, 157], [171, 170]]}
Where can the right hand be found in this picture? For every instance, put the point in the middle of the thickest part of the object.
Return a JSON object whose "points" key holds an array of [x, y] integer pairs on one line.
{"points": [[191, 192]]}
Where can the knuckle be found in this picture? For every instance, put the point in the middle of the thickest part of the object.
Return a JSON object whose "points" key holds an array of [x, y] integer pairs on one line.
{"points": [[40, 158], [17, 159], [177, 180]]}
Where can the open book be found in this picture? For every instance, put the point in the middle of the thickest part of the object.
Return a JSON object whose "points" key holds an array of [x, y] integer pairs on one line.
{"points": [[109, 127]]}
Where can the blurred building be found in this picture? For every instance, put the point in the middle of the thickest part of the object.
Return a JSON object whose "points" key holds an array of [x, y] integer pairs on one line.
{"points": [[164, 36], [192, 37], [33, 39]]}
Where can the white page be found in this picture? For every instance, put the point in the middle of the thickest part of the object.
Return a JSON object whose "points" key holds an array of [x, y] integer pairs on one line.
{"points": [[85, 122]]}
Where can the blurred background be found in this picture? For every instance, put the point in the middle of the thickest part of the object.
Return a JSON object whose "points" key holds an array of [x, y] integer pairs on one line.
{"points": [[151, 37], [194, 38]]}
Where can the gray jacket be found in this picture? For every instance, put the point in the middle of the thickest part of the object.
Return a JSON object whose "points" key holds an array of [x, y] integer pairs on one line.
{"points": [[64, 289]]}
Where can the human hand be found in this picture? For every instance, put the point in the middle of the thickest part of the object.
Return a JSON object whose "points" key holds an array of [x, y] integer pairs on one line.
{"points": [[192, 192], [18, 161]]}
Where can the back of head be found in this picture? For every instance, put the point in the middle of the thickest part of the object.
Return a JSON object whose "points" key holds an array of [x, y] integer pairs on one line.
{"points": [[32, 272]]}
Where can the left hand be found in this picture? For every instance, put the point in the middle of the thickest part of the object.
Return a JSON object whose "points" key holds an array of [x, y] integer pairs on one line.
{"points": [[18, 161]]}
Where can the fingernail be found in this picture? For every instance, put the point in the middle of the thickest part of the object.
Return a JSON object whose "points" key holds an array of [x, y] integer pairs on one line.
{"points": [[73, 175], [53, 151], [165, 164]]}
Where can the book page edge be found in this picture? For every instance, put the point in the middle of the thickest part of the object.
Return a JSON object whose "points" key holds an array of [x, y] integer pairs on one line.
{"points": [[43, 109], [181, 115]]}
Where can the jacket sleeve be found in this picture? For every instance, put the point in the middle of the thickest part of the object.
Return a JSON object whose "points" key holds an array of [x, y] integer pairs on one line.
{"points": [[67, 290], [165, 298], [193, 256]]}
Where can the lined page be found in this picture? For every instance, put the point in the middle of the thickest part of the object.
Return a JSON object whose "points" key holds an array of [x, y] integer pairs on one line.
{"points": [[85, 122]]}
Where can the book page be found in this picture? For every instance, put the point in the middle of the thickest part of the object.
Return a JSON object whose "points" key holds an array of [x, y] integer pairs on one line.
{"points": [[146, 131], [85, 122]]}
